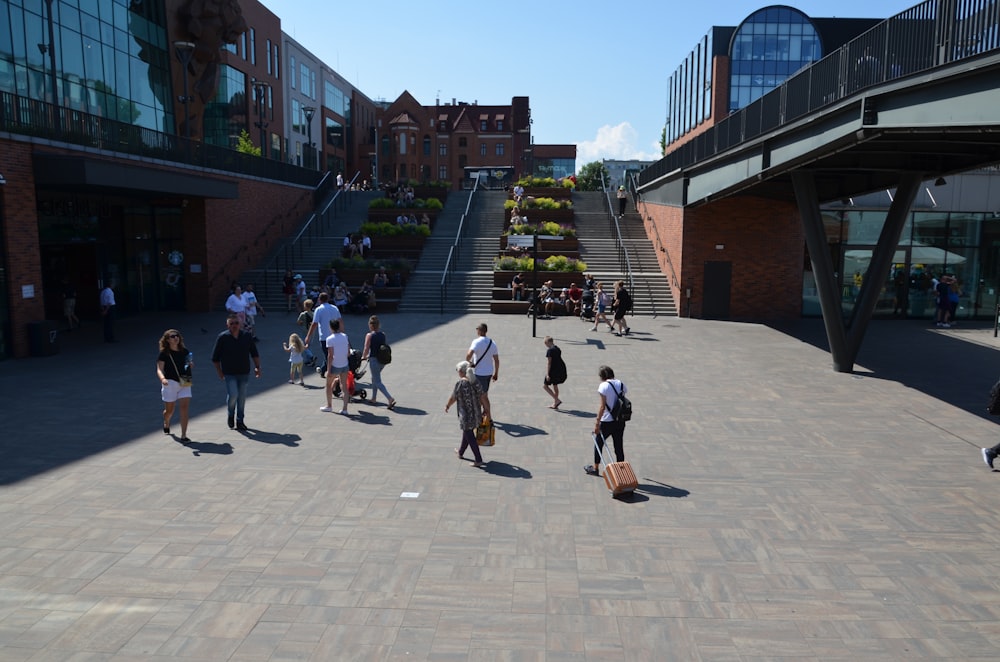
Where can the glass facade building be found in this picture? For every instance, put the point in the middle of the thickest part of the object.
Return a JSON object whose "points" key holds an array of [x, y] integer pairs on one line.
{"points": [[110, 57]]}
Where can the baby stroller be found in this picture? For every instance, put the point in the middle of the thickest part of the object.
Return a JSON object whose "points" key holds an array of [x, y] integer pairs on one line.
{"points": [[587, 299], [354, 373]]}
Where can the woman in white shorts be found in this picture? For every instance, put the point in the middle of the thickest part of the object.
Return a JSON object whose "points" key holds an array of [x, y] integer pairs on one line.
{"points": [[173, 367]]}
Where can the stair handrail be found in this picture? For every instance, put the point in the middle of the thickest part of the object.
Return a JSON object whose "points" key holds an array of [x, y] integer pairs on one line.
{"points": [[340, 200], [623, 260], [455, 252]]}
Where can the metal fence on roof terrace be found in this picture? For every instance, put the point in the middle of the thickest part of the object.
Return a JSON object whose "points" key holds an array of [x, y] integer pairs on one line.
{"points": [[31, 117], [930, 35]]}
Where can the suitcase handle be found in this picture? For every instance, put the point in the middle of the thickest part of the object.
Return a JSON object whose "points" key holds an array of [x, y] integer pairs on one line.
{"points": [[604, 463]]}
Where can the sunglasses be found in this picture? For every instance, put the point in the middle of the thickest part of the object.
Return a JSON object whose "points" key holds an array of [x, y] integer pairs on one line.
{"points": [[173, 336]]}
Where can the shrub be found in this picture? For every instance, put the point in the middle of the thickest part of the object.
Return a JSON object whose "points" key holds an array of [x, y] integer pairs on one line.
{"points": [[537, 182], [549, 228], [357, 263], [385, 229], [433, 204], [553, 263], [381, 203]]}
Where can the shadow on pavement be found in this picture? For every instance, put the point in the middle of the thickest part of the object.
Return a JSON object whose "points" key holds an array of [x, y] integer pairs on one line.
{"points": [[200, 447], [505, 470]]}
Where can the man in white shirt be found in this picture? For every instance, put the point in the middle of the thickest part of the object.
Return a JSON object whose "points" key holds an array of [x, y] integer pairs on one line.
{"points": [[252, 308], [337, 349], [108, 311], [485, 356], [323, 314]]}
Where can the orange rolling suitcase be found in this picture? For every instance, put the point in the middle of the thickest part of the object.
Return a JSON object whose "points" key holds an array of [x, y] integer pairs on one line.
{"points": [[618, 476]]}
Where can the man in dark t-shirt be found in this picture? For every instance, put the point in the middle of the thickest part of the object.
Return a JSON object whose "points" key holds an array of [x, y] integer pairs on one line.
{"points": [[234, 348]]}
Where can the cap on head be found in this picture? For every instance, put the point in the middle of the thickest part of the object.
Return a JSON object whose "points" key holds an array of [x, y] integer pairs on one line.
{"points": [[298, 276]]}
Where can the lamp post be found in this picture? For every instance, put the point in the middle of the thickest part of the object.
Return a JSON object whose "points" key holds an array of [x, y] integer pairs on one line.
{"points": [[51, 50], [260, 89], [184, 50], [308, 111]]}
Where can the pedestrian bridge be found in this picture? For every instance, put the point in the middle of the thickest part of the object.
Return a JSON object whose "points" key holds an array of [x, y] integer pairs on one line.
{"points": [[914, 98]]}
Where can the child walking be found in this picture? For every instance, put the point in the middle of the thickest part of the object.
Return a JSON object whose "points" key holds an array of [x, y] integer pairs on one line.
{"points": [[295, 347]]}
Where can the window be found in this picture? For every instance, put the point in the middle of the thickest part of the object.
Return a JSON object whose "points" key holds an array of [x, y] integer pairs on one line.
{"points": [[427, 145], [482, 149], [442, 149], [402, 144], [499, 125], [268, 52], [253, 46], [277, 63], [243, 44], [334, 132], [499, 149], [296, 116], [443, 172], [482, 125], [303, 78], [291, 70], [312, 85], [463, 142]]}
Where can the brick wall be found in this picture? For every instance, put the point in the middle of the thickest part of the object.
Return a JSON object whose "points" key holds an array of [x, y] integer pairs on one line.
{"points": [[762, 239], [20, 228]]}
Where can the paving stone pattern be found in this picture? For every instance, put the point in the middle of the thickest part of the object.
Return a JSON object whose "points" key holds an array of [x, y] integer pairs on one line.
{"points": [[785, 511]]}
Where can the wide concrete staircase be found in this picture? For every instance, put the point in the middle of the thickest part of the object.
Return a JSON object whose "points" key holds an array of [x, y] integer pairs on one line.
{"points": [[651, 293], [323, 244], [469, 286]]}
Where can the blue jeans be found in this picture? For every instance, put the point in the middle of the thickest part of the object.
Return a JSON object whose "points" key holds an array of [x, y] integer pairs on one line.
{"points": [[377, 385], [236, 394]]}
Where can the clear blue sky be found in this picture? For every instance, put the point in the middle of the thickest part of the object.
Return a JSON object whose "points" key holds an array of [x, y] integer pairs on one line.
{"points": [[595, 73]]}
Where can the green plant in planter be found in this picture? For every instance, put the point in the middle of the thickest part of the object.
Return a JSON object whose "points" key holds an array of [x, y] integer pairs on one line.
{"points": [[433, 204], [553, 263], [537, 182], [548, 228], [385, 229], [381, 203], [357, 263], [562, 263]]}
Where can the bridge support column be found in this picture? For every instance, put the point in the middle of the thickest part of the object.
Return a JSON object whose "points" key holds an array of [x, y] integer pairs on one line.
{"points": [[846, 341]]}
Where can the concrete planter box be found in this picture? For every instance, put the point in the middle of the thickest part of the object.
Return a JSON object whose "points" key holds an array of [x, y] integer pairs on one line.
{"points": [[560, 279], [389, 215], [565, 246], [554, 192], [561, 216]]}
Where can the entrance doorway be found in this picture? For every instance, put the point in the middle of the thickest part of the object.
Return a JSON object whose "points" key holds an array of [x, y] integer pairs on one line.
{"points": [[718, 286]]}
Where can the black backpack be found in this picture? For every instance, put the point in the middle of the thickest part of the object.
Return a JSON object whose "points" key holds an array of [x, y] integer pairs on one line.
{"points": [[384, 354], [994, 406], [622, 411]]}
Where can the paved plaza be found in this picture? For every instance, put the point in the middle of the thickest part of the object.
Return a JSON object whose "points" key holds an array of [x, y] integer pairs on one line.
{"points": [[785, 511]]}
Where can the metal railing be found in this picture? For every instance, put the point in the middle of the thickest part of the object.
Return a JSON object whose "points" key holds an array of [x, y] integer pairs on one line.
{"points": [[455, 252], [30, 117], [930, 35], [624, 263], [316, 225]]}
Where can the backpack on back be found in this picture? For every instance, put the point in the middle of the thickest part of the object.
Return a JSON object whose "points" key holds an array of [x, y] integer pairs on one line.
{"points": [[622, 411]]}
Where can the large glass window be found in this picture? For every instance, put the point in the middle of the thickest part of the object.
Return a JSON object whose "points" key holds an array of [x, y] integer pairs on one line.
{"points": [[334, 132], [226, 114], [770, 45]]}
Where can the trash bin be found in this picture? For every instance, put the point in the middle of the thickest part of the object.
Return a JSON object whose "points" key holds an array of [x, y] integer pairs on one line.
{"points": [[43, 338]]}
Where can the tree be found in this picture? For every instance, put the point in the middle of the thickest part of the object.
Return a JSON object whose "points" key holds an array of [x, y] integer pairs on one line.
{"points": [[245, 144], [663, 141], [589, 178]]}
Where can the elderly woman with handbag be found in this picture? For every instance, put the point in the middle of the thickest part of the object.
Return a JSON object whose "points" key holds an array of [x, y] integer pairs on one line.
{"points": [[469, 397], [173, 367]]}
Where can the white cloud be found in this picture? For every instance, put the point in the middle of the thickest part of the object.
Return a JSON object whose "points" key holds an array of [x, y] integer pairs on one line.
{"points": [[615, 142]]}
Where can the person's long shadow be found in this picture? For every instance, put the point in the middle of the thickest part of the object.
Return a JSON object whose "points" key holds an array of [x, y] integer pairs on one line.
{"points": [[272, 437], [516, 430], [579, 413], [369, 418], [200, 447], [662, 489], [505, 470]]}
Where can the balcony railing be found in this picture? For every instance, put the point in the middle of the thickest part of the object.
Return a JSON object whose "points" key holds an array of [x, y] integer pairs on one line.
{"points": [[929, 35], [30, 117]]}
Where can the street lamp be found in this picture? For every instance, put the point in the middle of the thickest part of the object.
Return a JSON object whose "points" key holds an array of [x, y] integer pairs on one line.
{"points": [[184, 50], [308, 112], [260, 89]]}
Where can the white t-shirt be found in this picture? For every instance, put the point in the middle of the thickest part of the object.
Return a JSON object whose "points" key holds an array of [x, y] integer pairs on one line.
{"points": [[236, 304], [483, 351], [300, 289], [341, 346], [323, 314], [107, 297], [611, 396], [250, 303]]}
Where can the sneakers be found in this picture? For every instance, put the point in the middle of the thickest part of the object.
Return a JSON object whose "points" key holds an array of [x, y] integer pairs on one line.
{"points": [[343, 412], [327, 409], [988, 457], [627, 329]]}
